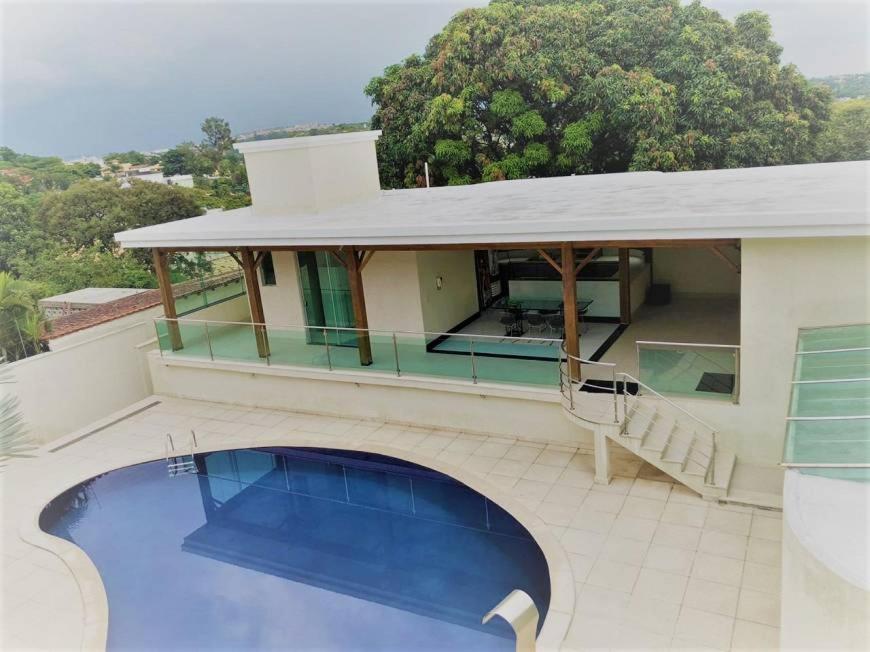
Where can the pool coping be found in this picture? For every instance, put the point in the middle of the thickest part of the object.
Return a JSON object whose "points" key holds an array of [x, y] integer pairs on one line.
{"points": [[95, 600]]}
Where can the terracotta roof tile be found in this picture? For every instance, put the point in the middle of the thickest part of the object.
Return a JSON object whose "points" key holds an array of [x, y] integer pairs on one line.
{"points": [[106, 312]]}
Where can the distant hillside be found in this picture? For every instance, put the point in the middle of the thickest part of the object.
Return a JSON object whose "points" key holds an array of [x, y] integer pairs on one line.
{"points": [[846, 86], [302, 130]]}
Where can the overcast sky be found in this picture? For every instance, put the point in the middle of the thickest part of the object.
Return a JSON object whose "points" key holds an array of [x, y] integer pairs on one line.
{"points": [[88, 78]]}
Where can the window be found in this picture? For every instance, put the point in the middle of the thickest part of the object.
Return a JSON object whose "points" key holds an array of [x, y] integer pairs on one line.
{"points": [[267, 270]]}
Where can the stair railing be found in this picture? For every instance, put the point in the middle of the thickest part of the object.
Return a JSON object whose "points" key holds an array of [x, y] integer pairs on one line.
{"points": [[571, 363], [710, 459]]}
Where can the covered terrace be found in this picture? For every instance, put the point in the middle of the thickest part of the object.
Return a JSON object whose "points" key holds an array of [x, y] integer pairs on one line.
{"points": [[566, 226]]}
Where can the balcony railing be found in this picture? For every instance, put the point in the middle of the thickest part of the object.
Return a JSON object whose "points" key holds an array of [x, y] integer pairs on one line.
{"points": [[691, 370], [475, 358]]}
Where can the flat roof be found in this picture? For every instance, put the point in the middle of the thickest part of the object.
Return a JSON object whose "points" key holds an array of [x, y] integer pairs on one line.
{"points": [[822, 199], [93, 295]]}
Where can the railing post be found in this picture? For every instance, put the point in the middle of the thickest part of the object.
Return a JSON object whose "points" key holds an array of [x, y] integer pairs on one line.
{"points": [[157, 334], [208, 341], [396, 353], [570, 382], [624, 397], [615, 396], [473, 362], [328, 356], [735, 390]]}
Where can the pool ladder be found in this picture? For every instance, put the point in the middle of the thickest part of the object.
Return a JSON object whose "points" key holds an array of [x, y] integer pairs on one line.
{"points": [[175, 463]]}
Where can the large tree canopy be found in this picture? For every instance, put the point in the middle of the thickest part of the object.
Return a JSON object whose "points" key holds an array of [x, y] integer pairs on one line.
{"points": [[537, 88]]}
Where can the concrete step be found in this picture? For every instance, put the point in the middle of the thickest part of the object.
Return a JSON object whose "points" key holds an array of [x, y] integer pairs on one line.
{"points": [[679, 447], [639, 423], [658, 435]]}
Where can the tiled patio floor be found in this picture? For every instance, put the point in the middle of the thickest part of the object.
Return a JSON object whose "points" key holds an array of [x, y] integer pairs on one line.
{"points": [[652, 565]]}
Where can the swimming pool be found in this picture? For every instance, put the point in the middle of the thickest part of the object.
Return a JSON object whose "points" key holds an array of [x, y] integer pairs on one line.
{"points": [[299, 548]]}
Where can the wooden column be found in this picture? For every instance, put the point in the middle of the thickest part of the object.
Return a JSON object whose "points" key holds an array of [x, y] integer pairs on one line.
{"points": [[569, 308], [161, 268], [354, 262], [624, 287], [255, 301]]}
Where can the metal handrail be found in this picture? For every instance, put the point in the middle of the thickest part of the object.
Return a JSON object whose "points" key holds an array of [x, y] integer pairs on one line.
{"points": [[709, 475], [689, 344], [325, 330], [355, 330], [850, 350], [562, 374], [666, 400]]}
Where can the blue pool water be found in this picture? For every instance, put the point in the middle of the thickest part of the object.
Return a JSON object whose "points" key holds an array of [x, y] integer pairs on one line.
{"points": [[301, 549]]}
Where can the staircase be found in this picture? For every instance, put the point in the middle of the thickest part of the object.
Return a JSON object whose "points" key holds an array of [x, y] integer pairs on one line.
{"points": [[652, 427]]}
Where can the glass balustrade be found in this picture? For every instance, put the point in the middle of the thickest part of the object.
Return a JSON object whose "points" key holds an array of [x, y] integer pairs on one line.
{"points": [[691, 370], [475, 358]]}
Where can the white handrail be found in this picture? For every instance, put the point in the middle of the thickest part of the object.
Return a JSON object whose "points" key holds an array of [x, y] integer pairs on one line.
{"points": [[356, 330], [690, 344], [666, 400]]}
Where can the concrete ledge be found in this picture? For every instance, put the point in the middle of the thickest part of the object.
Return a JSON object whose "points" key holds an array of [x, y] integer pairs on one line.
{"points": [[532, 413]]}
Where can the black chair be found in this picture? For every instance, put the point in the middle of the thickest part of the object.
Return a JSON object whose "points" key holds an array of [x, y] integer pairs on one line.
{"points": [[556, 323], [509, 321], [536, 322]]}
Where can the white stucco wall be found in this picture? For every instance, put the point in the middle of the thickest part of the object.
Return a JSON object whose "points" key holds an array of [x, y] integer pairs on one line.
{"points": [[457, 299], [691, 271], [392, 292], [90, 374], [825, 564], [527, 413], [61, 391], [282, 302], [313, 178]]}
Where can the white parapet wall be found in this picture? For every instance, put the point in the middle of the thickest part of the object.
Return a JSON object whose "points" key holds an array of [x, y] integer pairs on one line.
{"points": [[519, 412], [94, 372], [825, 564]]}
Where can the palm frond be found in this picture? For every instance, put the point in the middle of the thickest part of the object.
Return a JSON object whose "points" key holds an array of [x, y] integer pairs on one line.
{"points": [[14, 438]]}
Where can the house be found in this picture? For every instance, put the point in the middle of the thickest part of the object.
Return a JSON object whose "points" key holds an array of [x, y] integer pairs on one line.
{"points": [[662, 377], [84, 299], [659, 311]]}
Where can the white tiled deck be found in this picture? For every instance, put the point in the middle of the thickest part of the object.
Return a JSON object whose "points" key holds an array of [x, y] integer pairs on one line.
{"points": [[650, 565]]}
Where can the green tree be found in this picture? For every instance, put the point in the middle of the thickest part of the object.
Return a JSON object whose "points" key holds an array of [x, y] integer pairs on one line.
{"points": [[847, 136], [90, 213], [63, 269], [535, 87], [185, 158], [18, 309], [218, 139]]}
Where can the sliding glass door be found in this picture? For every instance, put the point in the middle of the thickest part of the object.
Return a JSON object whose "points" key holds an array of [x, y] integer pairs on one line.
{"points": [[326, 295]]}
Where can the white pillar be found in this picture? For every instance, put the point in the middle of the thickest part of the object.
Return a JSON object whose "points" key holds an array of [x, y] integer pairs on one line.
{"points": [[602, 457]]}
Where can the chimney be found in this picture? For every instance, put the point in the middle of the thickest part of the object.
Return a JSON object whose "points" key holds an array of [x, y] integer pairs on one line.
{"points": [[310, 174]]}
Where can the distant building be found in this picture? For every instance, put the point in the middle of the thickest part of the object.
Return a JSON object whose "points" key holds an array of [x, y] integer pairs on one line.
{"points": [[85, 299]]}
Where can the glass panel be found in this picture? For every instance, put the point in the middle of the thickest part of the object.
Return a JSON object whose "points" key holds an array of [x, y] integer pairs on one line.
{"points": [[831, 399], [344, 350], [841, 441], [326, 296], [525, 361], [234, 342], [832, 366], [415, 359], [690, 371], [838, 337], [295, 347]]}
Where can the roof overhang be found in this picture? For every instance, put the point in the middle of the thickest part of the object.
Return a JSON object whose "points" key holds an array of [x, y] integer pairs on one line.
{"points": [[803, 201]]}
